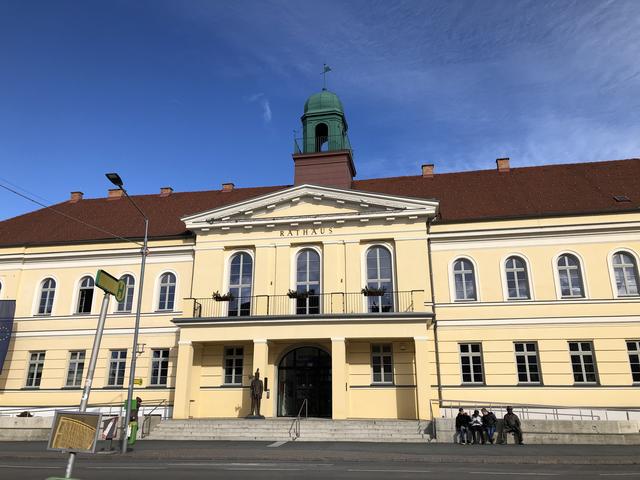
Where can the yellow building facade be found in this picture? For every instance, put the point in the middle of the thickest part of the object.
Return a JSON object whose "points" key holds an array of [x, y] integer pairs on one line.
{"points": [[388, 298]]}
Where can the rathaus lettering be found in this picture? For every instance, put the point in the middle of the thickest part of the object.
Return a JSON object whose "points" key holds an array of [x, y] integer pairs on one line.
{"points": [[306, 231]]}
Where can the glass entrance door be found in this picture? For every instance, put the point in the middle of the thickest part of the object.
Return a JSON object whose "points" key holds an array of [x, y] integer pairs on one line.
{"points": [[305, 373]]}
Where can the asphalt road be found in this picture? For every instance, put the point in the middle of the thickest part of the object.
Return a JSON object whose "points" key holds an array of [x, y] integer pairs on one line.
{"points": [[159, 470]]}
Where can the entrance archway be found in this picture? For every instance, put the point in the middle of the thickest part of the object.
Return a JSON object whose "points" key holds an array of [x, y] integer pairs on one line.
{"points": [[305, 373]]}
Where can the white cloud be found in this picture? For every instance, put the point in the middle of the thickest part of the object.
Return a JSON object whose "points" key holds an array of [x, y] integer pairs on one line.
{"points": [[264, 103]]}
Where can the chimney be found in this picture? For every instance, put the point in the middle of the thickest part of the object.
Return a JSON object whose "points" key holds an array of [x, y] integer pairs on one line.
{"points": [[165, 191], [114, 194], [427, 170], [227, 187], [503, 164], [76, 197]]}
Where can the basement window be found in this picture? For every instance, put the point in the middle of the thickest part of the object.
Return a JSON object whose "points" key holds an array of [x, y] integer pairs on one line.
{"points": [[621, 198]]}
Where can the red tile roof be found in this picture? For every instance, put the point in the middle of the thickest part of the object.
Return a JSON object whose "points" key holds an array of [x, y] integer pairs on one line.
{"points": [[567, 189]]}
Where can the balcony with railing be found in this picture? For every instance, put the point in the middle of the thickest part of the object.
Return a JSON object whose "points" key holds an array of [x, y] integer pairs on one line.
{"points": [[396, 303], [321, 143]]}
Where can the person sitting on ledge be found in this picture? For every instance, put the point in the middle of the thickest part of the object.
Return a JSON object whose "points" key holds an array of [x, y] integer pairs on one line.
{"points": [[511, 424]]}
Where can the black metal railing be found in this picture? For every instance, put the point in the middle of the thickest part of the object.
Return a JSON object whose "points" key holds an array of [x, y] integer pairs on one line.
{"points": [[334, 303], [321, 143]]}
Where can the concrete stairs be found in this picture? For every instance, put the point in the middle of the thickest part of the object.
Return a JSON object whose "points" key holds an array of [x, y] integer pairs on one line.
{"points": [[281, 429]]}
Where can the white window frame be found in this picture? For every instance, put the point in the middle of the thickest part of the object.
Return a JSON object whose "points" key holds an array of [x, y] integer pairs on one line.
{"points": [[76, 304], [556, 276], [471, 355], [39, 286], [227, 276], [135, 295], [75, 361], [156, 304], [39, 365], [527, 354], [581, 353], [235, 382], [614, 287], [635, 351], [111, 361], [364, 272], [153, 360], [294, 277], [505, 283], [382, 354], [452, 280]]}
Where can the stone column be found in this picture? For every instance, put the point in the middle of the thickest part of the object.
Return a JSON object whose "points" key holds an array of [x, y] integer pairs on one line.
{"points": [[261, 361], [338, 378], [423, 387], [182, 395]]}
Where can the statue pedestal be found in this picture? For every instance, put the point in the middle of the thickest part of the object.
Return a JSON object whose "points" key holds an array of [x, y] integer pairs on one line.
{"points": [[254, 417]]}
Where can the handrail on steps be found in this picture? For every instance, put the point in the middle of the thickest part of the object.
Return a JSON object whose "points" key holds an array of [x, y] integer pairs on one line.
{"points": [[294, 429], [147, 419]]}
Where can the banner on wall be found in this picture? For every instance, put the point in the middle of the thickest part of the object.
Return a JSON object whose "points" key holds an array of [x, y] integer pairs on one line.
{"points": [[7, 312]]}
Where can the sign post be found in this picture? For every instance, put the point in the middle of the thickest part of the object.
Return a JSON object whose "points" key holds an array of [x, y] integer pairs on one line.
{"points": [[111, 286]]}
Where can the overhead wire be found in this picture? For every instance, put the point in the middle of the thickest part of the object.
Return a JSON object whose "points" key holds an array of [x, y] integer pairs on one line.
{"points": [[70, 217]]}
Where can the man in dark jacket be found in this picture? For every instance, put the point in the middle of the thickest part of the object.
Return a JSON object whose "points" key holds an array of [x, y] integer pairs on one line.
{"points": [[511, 423], [462, 426], [489, 422]]}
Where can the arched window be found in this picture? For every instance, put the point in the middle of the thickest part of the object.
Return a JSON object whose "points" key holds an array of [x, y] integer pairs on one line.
{"points": [[322, 137], [517, 279], [240, 283], [47, 294], [570, 276], [85, 295], [625, 271], [380, 278], [127, 302], [308, 282], [167, 295], [464, 279]]}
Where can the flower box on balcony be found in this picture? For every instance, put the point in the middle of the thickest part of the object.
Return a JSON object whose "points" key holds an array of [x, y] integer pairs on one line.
{"points": [[219, 297], [373, 292]]}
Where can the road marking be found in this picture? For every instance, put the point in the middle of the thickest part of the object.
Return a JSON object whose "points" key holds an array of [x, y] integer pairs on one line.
{"points": [[518, 473], [242, 469], [31, 466], [276, 444], [386, 470], [128, 467], [619, 474]]}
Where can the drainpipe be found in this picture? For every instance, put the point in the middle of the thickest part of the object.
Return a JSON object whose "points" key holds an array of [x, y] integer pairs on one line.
{"points": [[433, 300]]}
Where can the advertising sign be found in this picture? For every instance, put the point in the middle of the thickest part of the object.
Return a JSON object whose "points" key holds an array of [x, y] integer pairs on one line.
{"points": [[74, 432]]}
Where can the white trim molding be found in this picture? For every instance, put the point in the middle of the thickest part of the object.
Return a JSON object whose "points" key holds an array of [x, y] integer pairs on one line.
{"points": [[612, 276]]}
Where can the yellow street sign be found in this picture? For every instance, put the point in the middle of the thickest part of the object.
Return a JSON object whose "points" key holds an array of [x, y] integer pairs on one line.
{"points": [[137, 381], [110, 284]]}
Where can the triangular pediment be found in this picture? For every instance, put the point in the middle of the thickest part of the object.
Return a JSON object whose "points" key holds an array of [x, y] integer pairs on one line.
{"points": [[310, 204]]}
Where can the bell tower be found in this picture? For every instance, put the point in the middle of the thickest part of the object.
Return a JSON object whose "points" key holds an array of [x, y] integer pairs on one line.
{"points": [[323, 155]]}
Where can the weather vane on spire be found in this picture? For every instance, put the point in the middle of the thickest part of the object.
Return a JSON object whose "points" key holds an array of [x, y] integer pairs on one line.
{"points": [[326, 68]]}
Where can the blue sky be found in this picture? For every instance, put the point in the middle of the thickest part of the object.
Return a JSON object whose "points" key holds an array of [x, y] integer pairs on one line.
{"points": [[191, 94]]}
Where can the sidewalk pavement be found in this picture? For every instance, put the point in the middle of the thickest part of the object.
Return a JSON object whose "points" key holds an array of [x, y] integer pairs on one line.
{"points": [[347, 451]]}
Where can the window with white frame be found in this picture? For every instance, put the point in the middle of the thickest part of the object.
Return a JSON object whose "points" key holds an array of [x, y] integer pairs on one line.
{"points": [[127, 302], [527, 362], [583, 362], [240, 284], [308, 282], [633, 347], [464, 280], [117, 367], [167, 295], [570, 276], [233, 363], [47, 295], [379, 279], [517, 279], [85, 295], [159, 366], [34, 373], [625, 271], [382, 363], [76, 368], [471, 363]]}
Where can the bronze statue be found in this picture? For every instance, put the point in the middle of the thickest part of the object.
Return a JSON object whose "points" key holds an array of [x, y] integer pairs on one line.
{"points": [[256, 394]]}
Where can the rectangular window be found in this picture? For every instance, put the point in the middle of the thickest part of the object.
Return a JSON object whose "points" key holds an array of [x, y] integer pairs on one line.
{"points": [[233, 361], [76, 368], [117, 367], [471, 363], [633, 347], [36, 365], [527, 362], [159, 366], [382, 363], [583, 362]]}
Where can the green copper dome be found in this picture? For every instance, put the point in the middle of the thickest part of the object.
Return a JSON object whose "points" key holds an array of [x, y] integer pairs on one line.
{"points": [[324, 101]]}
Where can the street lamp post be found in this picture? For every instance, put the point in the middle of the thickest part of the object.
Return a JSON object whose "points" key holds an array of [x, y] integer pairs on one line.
{"points": [[117, 181]]}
